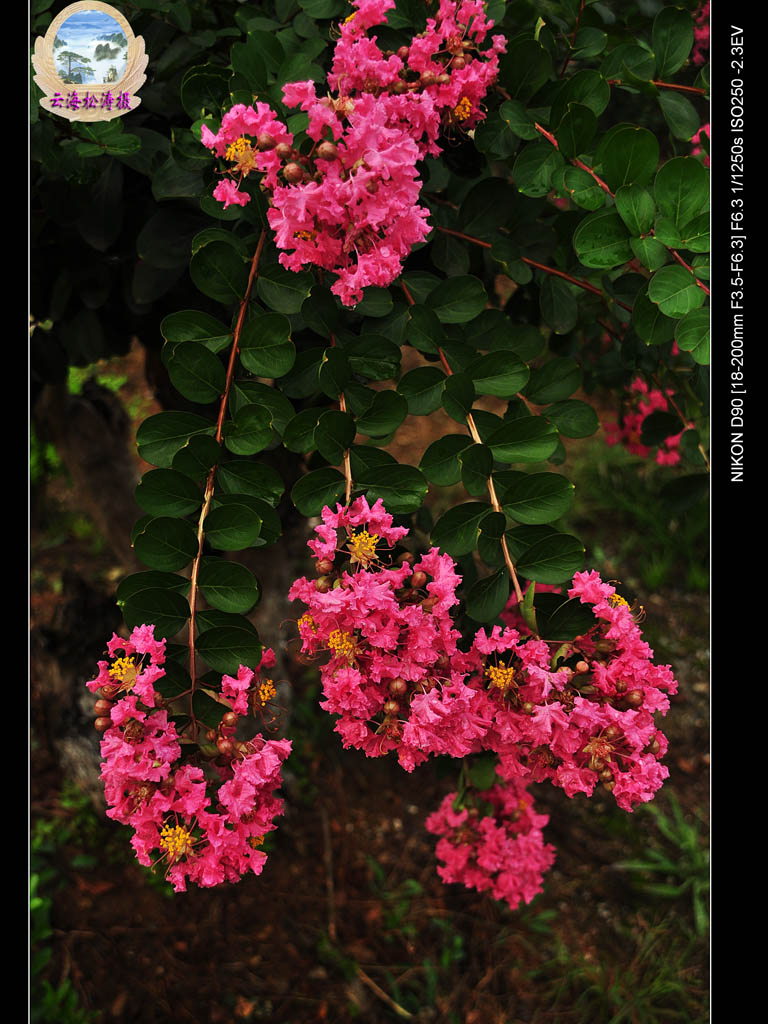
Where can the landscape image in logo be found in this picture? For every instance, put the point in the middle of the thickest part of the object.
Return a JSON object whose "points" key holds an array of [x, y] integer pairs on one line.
{"points": [[89, 48]]}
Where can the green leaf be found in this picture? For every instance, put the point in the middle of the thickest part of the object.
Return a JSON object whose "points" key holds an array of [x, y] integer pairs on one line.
{"points": [[166, 544], [628, 155], [165, 608], [424, 331], [196, 372], [240, 476], [636, 208], [482, 769], [229, 586], [629, 57], [586, 88], [376, 302], [385, 414], [534, 497], [458, 300], [576, 130], [163, 492], [554, 381], [501, 373], [680, 114], [266, 348], [552, 560], [251, 392], [559, 308], [373, 356], [139, 581], [575, 184], [650, 251], [250, 430], [282, 290], [675, 292], [219, 272], [486, 598], [401, 488], [204, 89], [589, 42], [422, 388], [601, 240], [565, 621], [692, 335], [458, 396], [365, 461], [518, 119], [197, 457], [487, 205], [573, 418], [696, 234], [534, 168], [456, 531], [320, 311], [192, 325], [440, 462], [271, 527], [682, 189], [232, 527], [226, 648], [650, 323], [159, 437], [524, 68], [334, 372], [315, 490], [299, 434], [525, 440], [476, 465], [672, 39], [334, 434]]}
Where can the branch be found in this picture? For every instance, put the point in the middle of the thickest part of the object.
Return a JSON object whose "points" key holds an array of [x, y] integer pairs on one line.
{"points": [[208, 496]]}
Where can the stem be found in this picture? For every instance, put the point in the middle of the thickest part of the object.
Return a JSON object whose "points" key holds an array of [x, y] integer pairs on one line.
{"points": [[573, 39], [665, 85], [347, 464], [208, 495], [532, 263], [474, 433]]}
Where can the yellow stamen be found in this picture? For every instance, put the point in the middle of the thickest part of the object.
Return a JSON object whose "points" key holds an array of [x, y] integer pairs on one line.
{"points": [[305, 236], [349, 18], [342, 644], [256, 841], [124, 671], [363, 547], [176, 841], [266, 691], [241, 153], [463, 109], [617, 601], [501, 676], [307, 622]]}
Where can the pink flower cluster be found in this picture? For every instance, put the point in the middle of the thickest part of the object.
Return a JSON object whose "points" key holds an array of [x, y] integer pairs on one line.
{"points": [[350, 205], [501, 851], [644, 401], [395, 676], [701, 35], [207, 820]]}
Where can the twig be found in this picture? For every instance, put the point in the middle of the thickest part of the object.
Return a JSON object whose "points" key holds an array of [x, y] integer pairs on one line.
{"points": [[399, 1010], [208, 496]]}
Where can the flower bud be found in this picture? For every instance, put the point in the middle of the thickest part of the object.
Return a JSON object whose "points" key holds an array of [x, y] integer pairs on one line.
{"points": [[102, 723], [428, 78], [402, 53], [459, 63], [418, 579], [398, 686], [635, 698], [407, 556], [102, 707], [229, 719], [283, 150], [581, 667], [324, 584], [225, 747], [443, 79], [324, 566], [429, 603], [265, 141], [210, 735], [327, 151], [606, 775], [293, 172], [391, 707]]}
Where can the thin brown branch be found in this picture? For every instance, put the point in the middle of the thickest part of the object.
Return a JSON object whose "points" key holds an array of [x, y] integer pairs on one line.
{"points": [[573, 39], [399, 1010], [209, 483]]}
